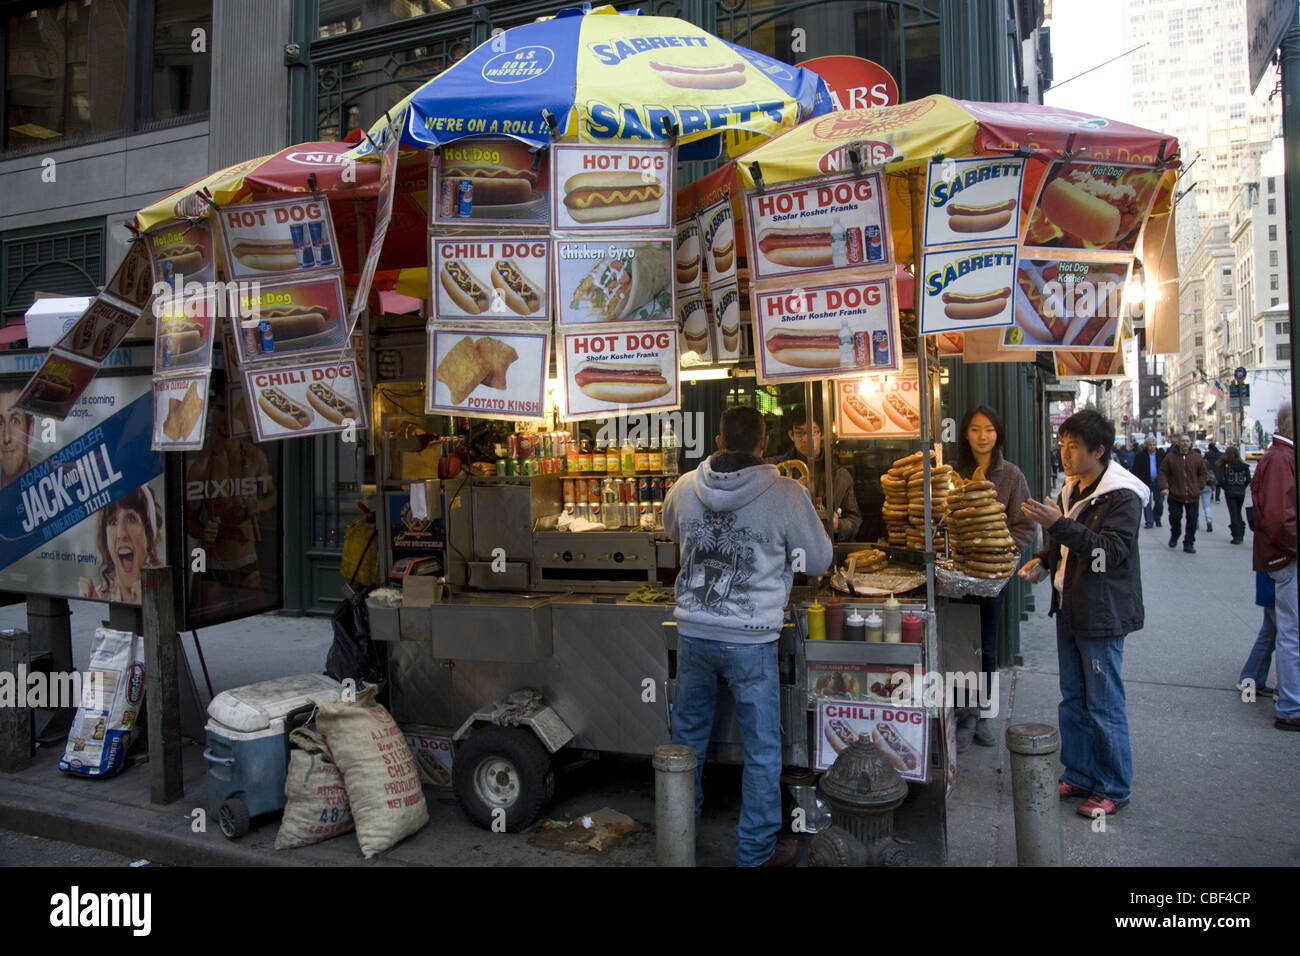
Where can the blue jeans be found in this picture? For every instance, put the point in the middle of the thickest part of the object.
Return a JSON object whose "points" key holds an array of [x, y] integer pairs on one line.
{"points": [[1207, 495], [1287, 651], [750, 671], [1095, 746], [1155, 507], [1261, 655]]}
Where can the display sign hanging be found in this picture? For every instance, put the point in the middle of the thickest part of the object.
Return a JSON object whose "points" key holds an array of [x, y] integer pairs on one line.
{"points": [[292, 400], [488, 277], [487, 371]]}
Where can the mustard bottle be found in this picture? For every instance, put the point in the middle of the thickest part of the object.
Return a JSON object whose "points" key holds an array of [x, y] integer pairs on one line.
{"points": [[816, 621]]}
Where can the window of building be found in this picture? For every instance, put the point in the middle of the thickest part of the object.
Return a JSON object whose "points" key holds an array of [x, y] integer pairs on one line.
{"points": [[1261, 355], [1283, 352], [1272, 184], [1274, 302], [1272, 207], [1279, 328], [1272, 282], [1272, 254], [1198, 343], [85, 69], [70, 261], [1272, 233]]}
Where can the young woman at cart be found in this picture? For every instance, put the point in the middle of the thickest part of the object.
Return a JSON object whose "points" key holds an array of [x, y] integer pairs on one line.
{"points": [[979, 446]]}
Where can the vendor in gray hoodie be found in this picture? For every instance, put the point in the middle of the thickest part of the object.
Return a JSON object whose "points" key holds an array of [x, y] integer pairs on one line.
{"points": [[743, 531]]}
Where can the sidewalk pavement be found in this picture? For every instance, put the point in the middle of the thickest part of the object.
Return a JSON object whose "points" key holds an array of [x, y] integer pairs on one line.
{"points": [[1214, 783]]}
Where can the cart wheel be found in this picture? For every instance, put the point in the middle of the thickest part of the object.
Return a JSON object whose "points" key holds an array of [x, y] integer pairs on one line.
{"points": [[232, 817], [502, 768]]}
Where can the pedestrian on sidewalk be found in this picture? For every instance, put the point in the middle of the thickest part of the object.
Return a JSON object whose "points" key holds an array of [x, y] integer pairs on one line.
{"points": [[741, 528], [1091, 555], [1213, 456], [1234, 475], [1272, 491], [1182, 476], [1146, 465], [1255, 670]]}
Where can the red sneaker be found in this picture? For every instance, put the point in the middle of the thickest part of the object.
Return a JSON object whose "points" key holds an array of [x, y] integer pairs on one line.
{"points": [[1070, 790], [1095, 803]]}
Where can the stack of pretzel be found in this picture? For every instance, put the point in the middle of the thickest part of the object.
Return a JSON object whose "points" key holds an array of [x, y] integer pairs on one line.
{"points": [[867, 561], [904, 508], [977, 529]]}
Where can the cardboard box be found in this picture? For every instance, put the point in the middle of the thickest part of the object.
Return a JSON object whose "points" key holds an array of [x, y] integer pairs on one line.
{"points": [[49, 319]]}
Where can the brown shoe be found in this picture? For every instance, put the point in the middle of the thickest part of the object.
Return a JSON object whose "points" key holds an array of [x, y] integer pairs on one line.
{"points": [[787, 848]]}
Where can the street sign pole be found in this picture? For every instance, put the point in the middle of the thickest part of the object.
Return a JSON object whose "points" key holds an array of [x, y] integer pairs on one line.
{"points": [[1290, 62]]}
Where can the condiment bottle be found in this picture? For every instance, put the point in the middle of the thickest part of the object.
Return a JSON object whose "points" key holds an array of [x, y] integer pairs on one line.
{"points": [[855, 627], [816, 621], [893, 621], [834, 620], [875, 628], [643, 459], [656, 457], [911, 629]]}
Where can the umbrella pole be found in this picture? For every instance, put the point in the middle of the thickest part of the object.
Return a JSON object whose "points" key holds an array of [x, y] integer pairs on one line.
{"points": [[359, 206], [916, 196]]}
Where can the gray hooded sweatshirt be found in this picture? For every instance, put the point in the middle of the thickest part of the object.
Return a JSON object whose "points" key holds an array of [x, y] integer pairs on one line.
{"points": [[743, 531]]}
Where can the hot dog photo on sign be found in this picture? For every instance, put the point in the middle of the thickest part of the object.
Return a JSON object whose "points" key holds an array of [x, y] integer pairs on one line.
{"points": [[490, 179], [292, 318], [278, 238], [873, 408], [184, 333], [718, 235], [693, 327], [826, 331], [292, 400], [480, 278], [973, 200], [1067, 304], [1092, 206], [487, 372], [967, 288], [626, 368], [600, 188], [182, 252], [817, 226], [725, 303], [99, 330]]}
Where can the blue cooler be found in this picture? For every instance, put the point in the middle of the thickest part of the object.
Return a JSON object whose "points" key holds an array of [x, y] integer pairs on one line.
{"points": [[248, 745]]}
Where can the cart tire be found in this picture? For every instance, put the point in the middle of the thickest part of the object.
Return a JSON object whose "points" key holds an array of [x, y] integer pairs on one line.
{"points": [[232, 817], [503, 768]]}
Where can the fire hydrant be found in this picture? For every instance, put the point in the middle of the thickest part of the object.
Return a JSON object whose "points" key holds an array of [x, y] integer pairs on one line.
{"points": [[863, 790]]}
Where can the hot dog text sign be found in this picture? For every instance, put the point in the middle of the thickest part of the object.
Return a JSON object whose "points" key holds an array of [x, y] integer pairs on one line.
{"points": [[600, 189], [279, 238], [967, 288], [826, 331], [973, 200], [816, 226], [900, 733], [618, 371], [295, 400], [491, 278]]}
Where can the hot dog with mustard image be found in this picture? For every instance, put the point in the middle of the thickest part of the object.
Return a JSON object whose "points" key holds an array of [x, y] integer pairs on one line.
{"points": [[965, 218], [982, 305], [463, 287], [283, 410]]}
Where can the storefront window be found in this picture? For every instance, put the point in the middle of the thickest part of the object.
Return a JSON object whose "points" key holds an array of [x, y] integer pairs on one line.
{"points": [[65, 71], [346, 16], [181, 77]]}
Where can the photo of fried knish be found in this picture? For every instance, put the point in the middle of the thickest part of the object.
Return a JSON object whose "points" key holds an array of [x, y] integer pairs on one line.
{"points": [[296, 321], [183, 414], [470, 364], [186, 257]]}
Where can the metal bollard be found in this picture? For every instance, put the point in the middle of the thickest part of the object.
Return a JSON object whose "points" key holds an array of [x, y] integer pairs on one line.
{"points": [[1039, 841], [674, 805], [15, 720]]}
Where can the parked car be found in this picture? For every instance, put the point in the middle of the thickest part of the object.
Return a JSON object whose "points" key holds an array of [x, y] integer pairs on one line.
{"points": [[1252, 452]]}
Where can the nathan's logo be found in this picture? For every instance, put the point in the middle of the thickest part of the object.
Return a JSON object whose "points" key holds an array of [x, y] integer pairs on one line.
{"points": [[316, 158], [873, 153], [612, 54]]}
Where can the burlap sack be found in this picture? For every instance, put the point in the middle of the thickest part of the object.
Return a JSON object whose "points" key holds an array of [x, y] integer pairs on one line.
{"points": [[379, 772], [316, 807]]}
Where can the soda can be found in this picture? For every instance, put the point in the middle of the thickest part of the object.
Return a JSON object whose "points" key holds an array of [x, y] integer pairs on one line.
{"points": [[880, 347], [512, 466], [324, 254], [512, 441], [266, 336], [301, 246], [465, 198], [643, 490], [447, 198], [501, 466], [861, 349], [668, 486], [249, 332], [875, 248], [853, 244], [656, 489]]}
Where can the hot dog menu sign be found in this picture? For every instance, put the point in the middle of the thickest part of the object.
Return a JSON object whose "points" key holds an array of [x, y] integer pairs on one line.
{"points": [[619, 371], [491, 278], [826, 224], [826, 331], [487, 371], [280, 238], [967, 288], [973, 200], [295, 400], [878, 406], [601, 189], [900, 733]]}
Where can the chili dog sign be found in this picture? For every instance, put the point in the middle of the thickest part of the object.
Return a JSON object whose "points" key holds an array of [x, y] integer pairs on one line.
{"points": [[614, 372], [818, 226], [967, 288], [973, 200], [870, 407], [294, 400], [900, 733], [491, 279], [826, 331]]}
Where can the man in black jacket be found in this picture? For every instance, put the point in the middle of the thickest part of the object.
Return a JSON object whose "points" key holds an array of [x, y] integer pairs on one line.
{"points": [[806, 437], [1091, 555], [1146, 465]]}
